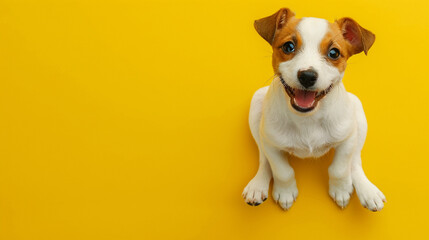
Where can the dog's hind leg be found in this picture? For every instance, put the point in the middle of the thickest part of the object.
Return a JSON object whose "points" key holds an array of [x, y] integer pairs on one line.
{"points": [[369, 195], [256, 190]]}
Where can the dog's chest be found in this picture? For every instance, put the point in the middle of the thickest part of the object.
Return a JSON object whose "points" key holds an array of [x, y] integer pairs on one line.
{"points": [[306, 140]]}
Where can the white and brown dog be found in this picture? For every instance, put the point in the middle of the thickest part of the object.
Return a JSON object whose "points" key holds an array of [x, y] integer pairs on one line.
{"points": [[306, 110]]}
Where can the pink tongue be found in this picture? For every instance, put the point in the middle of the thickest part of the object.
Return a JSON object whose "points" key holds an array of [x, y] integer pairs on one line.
{"points": [[304, 98]]}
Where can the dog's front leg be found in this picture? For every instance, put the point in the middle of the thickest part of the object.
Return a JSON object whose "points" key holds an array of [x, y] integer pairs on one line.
{"points": [[340, 179], [284, 187]]}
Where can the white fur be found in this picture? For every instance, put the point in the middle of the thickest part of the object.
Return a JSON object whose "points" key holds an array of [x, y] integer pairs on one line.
{"points": [[338, 122]]}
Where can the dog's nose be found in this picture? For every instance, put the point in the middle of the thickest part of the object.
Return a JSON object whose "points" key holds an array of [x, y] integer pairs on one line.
{"points": [[307, 77]]}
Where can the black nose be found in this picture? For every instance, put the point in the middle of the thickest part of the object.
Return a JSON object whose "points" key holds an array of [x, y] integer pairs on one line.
{"points": [[307, 77]]}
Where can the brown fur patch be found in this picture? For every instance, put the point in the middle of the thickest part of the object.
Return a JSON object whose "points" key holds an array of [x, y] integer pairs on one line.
{"points": [[334, 39], [283, 35], [359, 38]]}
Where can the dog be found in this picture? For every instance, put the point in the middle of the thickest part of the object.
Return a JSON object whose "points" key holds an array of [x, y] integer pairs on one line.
{"points": [[306, 111]]}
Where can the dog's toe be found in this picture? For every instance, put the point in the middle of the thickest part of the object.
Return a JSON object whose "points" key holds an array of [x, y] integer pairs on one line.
{"points": [[256, 192], [341, 194], [373, 203], [370, 197], [285, 196]]}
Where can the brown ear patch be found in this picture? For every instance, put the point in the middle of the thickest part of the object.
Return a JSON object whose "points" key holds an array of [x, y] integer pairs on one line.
{"points": [[288, 33], [268, 26], [334, 39], [359, 38]]}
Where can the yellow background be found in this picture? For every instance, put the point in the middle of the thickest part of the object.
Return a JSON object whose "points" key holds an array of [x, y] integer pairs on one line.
{"points": [[128, 120]]}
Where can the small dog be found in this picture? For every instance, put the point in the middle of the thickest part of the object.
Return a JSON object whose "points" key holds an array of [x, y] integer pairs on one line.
{"points": [[306, 110]]}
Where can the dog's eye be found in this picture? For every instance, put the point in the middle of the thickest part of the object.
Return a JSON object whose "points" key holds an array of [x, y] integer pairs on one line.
{"points": [[288, 47], [334, 53]]}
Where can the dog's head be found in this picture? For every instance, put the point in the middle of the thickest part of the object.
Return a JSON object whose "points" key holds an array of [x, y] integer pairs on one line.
{"points": [[310, 54]]}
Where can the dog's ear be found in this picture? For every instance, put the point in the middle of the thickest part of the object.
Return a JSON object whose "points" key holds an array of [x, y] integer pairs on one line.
{"points": [[359, 38], [267, 27]]}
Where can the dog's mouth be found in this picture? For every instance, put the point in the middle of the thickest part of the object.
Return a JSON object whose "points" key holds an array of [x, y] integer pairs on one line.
{"points": [[304, 100]]}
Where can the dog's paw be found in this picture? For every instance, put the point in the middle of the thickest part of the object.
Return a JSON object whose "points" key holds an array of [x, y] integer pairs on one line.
{"points": [[340, 192], [256, 191], [285, 196], [370, 197]]}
